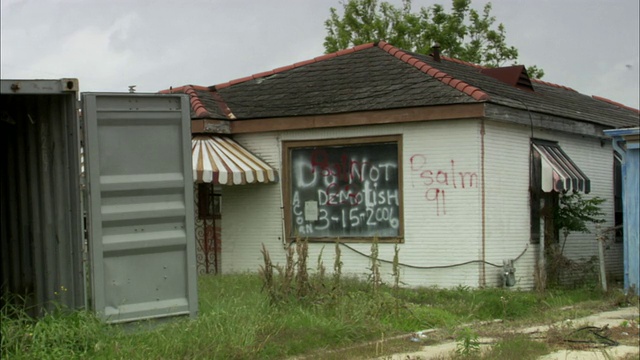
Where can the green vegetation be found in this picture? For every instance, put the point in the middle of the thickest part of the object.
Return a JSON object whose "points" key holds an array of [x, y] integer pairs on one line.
{"points": [[239, 320], [468, 343], [285, 311], [463, 32], [517, 347]]}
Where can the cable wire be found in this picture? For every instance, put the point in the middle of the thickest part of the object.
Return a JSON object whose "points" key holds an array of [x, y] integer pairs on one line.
{"points": [[436, 266]]}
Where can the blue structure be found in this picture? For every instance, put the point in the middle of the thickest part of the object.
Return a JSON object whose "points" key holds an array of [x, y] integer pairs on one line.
{"points": [[626, 143]]}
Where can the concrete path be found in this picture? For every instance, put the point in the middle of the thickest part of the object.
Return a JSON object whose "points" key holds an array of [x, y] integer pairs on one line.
{"points": [[611, 318]]}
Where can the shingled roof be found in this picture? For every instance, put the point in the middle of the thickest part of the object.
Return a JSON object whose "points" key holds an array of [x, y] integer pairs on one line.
{"points": [[379, 76]]}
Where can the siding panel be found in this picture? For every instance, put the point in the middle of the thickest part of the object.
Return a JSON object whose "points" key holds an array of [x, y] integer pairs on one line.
{"points": [[437, 233], [507, 171], [446, 161]]}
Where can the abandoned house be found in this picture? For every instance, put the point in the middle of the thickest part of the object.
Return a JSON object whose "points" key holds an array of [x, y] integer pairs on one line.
{"points": [[458, 164]]}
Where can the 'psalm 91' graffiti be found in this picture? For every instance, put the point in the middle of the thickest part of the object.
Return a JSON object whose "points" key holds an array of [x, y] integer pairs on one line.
{"points": [[345, 191], [437, 181]]}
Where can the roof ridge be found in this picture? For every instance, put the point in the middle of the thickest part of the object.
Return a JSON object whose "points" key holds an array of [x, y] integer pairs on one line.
{"points": [[553, 85], [182, 89], [196, 104], [443, 77], [464, 62], [603, 99], [292, 66], [222, 105], [478, 66]]}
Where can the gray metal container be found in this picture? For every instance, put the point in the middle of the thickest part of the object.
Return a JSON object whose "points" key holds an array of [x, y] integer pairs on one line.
{"points": [[124, 230], [41, 230]]}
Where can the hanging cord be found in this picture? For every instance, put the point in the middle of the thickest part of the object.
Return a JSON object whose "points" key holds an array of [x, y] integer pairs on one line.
{"points": [[438, 266], [528, 113]]}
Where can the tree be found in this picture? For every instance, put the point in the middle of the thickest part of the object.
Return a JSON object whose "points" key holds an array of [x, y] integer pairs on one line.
{"points": [[572, 213], [575, 213], [463, 33]]}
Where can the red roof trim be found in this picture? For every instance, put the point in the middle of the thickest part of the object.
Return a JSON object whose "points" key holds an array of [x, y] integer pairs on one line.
{"points": [[554, 85], [328, 56], [183, 88], [196, 105], [281, 69], [363, 46], [600, 98], [222, 105], [344, 51], [221, 86], [262, 74], [458, 61], [445, 78], [241, 80], [293, 66], [303, 63]]}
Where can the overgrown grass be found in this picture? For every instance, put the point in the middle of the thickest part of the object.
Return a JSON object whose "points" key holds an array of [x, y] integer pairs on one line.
{"points": [[517, 346], [447, 307], [238, 320], [59, 334]]}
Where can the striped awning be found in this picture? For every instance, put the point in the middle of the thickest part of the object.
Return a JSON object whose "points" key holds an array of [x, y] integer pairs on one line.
{"points": [[557, 171], [222, 161]]}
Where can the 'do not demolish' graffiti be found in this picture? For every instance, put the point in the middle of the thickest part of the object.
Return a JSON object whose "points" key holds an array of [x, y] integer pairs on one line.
{"points": [[345, 191]]}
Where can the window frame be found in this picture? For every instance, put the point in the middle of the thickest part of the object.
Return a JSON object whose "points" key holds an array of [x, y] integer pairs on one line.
{"points": [[288, 146], [618, 206], [209, 202], [540, 202], [535, 196]]}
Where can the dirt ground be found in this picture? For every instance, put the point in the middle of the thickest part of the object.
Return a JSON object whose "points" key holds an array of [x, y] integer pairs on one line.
{"points": [[619, 326]]}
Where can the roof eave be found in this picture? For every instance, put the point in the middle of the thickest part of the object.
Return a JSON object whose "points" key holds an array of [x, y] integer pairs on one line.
{"points": [[360, 118], [536, 120]]}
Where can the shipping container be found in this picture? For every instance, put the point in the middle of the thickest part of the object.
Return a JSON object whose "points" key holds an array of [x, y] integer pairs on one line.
{"points": [[96, 201]]}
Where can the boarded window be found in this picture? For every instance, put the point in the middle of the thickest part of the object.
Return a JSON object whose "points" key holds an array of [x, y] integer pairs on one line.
{"points": [[348, 189]]}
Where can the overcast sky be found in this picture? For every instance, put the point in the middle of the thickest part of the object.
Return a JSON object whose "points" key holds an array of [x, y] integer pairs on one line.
{"points": [[589, 45]]}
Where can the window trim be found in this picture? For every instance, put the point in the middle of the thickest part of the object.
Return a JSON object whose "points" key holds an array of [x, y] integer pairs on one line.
{"points": [[207, 202], [618, 206], [287, 146], [535, 196]]}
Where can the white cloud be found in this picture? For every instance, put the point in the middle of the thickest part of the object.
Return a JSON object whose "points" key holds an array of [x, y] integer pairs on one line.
{"points": [[85, 54], [109, 44], [619, 80]]}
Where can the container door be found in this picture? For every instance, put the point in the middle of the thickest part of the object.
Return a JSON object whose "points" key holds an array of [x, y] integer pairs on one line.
{"points": [[140, 205]]}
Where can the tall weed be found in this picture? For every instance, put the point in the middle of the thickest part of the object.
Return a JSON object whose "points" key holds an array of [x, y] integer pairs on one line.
{"points": [[239, 321]]}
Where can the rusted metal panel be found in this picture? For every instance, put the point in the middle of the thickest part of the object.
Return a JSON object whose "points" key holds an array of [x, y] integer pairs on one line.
{"points": [[35, 87], [511, 75], [141, 180], [222, 161], [210, 126], [41, 230]]}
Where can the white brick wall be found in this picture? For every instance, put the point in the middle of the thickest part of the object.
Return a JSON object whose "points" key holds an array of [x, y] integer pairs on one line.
{"points": [[252, 214], [507, 201], [436, 233], [595, 158], [507, 169]]}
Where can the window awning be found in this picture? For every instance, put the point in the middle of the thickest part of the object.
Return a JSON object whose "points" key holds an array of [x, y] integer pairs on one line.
{"points": [[222, 161], [557, 171]]}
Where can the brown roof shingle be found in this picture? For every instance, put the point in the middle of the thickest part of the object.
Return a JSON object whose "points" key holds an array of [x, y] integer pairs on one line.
{"points": [[379, 76]]}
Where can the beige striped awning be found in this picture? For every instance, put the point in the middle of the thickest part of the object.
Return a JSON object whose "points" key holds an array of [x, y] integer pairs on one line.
{"points": [[222, 161]]}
